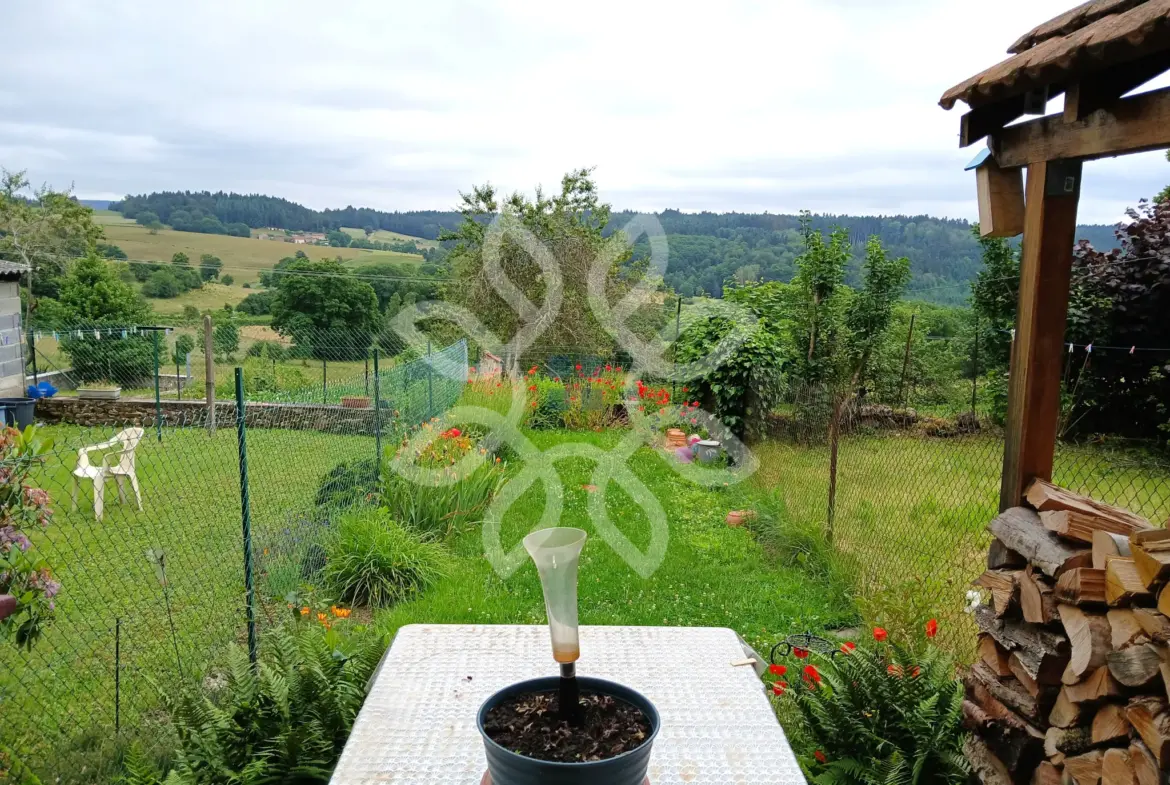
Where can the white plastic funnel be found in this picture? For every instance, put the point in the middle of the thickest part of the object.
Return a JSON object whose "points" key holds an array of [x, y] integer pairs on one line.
{"points": [[556, 552]]}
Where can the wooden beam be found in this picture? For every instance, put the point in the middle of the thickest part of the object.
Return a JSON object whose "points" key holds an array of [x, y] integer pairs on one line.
{"points": [[1001, 200], [982, 121], [1103, 88], [1131, 125], [1050, 222]]}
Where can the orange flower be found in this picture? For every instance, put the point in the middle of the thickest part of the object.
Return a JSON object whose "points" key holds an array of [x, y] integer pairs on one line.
{"points": [[305, 611], [880, 634], [321, 617], [895, 670], [932, 628], [820, 756]]}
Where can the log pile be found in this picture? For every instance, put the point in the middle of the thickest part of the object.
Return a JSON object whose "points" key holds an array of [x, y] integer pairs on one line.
{"points": [[1072, 680]]}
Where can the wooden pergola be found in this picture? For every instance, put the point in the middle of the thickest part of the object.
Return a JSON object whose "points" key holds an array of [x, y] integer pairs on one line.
{"points": [[1094, 54]]}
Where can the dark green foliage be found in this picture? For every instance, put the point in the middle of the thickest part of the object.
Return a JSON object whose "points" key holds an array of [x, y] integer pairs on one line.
{"points": [[184, 345], [348, 483], [325, 307], [550, 404], [338, 239], [284, 724], [256, 304], [227, 280], [209, 266], [879, 715], [225, 338], [374, 561], [162, 284], [109, 251]]}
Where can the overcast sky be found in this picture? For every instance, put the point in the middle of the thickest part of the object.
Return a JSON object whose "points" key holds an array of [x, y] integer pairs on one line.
{"points": [[829, 105]]}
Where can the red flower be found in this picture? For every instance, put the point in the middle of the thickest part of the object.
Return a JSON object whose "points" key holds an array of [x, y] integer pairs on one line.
{"points": [[777, 670], [578, 367], [895, 670], [812, 676], [847, 647], [932, 628], [619, 369], [686, 390], [532, 388], [779, 687], [916, 671], [799, 653], [880, 634], [820, 756], [609, 367]]}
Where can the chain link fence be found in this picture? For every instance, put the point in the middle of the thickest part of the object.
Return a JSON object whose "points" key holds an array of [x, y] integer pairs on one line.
{"points": [[151, 597]]}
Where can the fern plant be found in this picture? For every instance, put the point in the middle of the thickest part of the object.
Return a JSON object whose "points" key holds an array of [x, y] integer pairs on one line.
{"points": [[283, 723], [878, 714]]}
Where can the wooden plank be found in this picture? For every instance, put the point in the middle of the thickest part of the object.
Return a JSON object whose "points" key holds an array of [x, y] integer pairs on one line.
{"points": [[1099, 90], [1151, 555], [1046, 497], [1081, 586], [1021, 530], [1001, 200], [1079, 526], [1130, 125], [1050, 224]]}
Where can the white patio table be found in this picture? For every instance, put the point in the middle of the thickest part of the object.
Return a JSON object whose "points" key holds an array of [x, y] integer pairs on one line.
{"points": [[417, 726]]}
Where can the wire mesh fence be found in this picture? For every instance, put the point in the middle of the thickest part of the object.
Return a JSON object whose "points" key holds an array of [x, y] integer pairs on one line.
{"points": [[154, 591]]}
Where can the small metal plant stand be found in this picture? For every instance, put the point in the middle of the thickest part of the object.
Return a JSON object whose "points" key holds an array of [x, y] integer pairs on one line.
{"points": [[805, 641]]}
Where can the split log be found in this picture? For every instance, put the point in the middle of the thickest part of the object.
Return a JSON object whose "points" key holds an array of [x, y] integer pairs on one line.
{"points": [[1046, 774], [1136, 666], [1084, 769], [1125, 629], [1001, 557], [1164, 669], [1045, 496], [1110, 724], [1145, 767], [984, 764], [1017, 744], [1065, 713], [1106, 544], [1150, 719], [982, 680], [1088, 634], [1151, 555], [1081, 586], [1004, 588], [1079, 526], [1123, 584], [1117, 767], [1037, 601], [1155, 624], [994, 655], [1097, 685], [1070, 741], [1020, 529], [1041, 653], [1163, 601], [1023, 676]]}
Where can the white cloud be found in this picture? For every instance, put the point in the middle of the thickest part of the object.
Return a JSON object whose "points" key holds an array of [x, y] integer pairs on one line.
{"points": [[829, 105]]}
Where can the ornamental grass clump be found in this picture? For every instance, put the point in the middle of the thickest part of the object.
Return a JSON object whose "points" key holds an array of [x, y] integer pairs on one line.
{"points": [[373, 561], [875, 713]]}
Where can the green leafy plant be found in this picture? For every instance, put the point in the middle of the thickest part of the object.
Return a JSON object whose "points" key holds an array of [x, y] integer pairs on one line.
{"points": [[348, 483], [545, 402], [875, 714], [374, 561], [283, 722]]}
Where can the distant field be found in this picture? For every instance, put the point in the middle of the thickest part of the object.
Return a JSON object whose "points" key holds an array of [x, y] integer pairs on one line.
{"points": [[391, 237], [243, 258], [212, 295]]}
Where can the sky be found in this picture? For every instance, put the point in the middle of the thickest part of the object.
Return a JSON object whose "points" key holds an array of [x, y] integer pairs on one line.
{"points": [[829, 105]]}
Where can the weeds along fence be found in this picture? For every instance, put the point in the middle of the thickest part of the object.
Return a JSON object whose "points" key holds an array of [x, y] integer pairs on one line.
{"points": [[151, 598]]}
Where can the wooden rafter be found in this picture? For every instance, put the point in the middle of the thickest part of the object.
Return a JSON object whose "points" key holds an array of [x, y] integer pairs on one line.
{"points": [[1131, 125], [986, 120], [1100, 90]]}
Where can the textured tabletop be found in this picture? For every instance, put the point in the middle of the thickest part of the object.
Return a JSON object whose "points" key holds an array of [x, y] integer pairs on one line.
{"points": [[417, 726]]}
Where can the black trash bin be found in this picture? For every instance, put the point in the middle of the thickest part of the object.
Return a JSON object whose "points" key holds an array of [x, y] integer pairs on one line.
{"points": [[18, 412]]}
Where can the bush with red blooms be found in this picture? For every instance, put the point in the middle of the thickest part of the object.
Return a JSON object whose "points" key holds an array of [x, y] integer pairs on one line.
{"points": [[875, 712]]}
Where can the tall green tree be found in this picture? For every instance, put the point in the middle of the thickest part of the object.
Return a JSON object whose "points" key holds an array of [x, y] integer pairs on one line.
{"points": [[820, 309], [210, 266], [225, 338], [323, 306]]}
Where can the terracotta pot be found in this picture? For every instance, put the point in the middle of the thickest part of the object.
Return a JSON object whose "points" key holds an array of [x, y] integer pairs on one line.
{"points": [[737, 518], [675, 438], [355, 402]]}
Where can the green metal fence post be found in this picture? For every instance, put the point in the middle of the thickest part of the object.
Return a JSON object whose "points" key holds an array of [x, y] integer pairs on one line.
{"points": [[246, 515], [157, 398], [430, 384], [377, 417]]}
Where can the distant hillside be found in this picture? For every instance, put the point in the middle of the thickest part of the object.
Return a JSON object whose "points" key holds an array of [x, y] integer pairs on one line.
{"points": [[706, 249], [97, 204]]}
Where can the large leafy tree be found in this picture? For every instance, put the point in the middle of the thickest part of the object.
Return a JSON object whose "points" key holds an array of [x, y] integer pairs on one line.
{"points": [[43, 230], [323, 306]]}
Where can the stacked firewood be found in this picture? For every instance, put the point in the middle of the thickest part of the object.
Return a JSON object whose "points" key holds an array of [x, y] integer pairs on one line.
{"points": [[1073, 673]]}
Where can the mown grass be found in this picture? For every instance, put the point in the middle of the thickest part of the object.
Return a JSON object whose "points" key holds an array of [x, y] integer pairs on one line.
{"points": [[243, 258], [386, 236]]}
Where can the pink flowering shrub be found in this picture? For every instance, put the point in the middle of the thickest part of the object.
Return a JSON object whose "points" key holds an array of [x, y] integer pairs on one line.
{"points": [[23, 508]]}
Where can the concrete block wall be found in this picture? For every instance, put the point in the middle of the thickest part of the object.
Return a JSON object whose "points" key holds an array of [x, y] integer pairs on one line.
{"points": [[11, 342]]}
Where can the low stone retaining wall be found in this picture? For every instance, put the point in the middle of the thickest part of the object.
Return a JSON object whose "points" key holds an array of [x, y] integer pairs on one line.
{"points": [[193, 414]]}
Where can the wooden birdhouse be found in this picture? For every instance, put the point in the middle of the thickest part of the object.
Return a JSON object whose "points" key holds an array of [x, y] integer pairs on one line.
{"points": [[1001, 197]]}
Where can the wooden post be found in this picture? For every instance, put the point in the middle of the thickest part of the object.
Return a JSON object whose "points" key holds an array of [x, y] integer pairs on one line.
{"points": [[209, 372], [1050, 220]]}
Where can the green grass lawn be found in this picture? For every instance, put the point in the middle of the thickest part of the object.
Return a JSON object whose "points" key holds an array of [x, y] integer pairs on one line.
{"points": [[386, 236]]}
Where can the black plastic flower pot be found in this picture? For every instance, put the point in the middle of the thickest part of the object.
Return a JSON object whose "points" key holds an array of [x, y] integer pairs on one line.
{"points": [[509, 768]]}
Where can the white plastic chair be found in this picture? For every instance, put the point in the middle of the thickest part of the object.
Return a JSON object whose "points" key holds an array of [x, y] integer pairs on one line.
{"points": [[118, 464]]}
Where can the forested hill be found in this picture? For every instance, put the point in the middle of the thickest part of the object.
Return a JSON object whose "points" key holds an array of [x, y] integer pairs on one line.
{"points": [[706, 249]]}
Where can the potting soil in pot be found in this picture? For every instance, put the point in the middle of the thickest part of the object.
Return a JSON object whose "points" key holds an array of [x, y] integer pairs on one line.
{"points": [[531, 725]]}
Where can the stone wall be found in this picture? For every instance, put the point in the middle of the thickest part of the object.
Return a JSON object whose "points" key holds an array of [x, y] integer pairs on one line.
{"points": [[141, 412]]}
